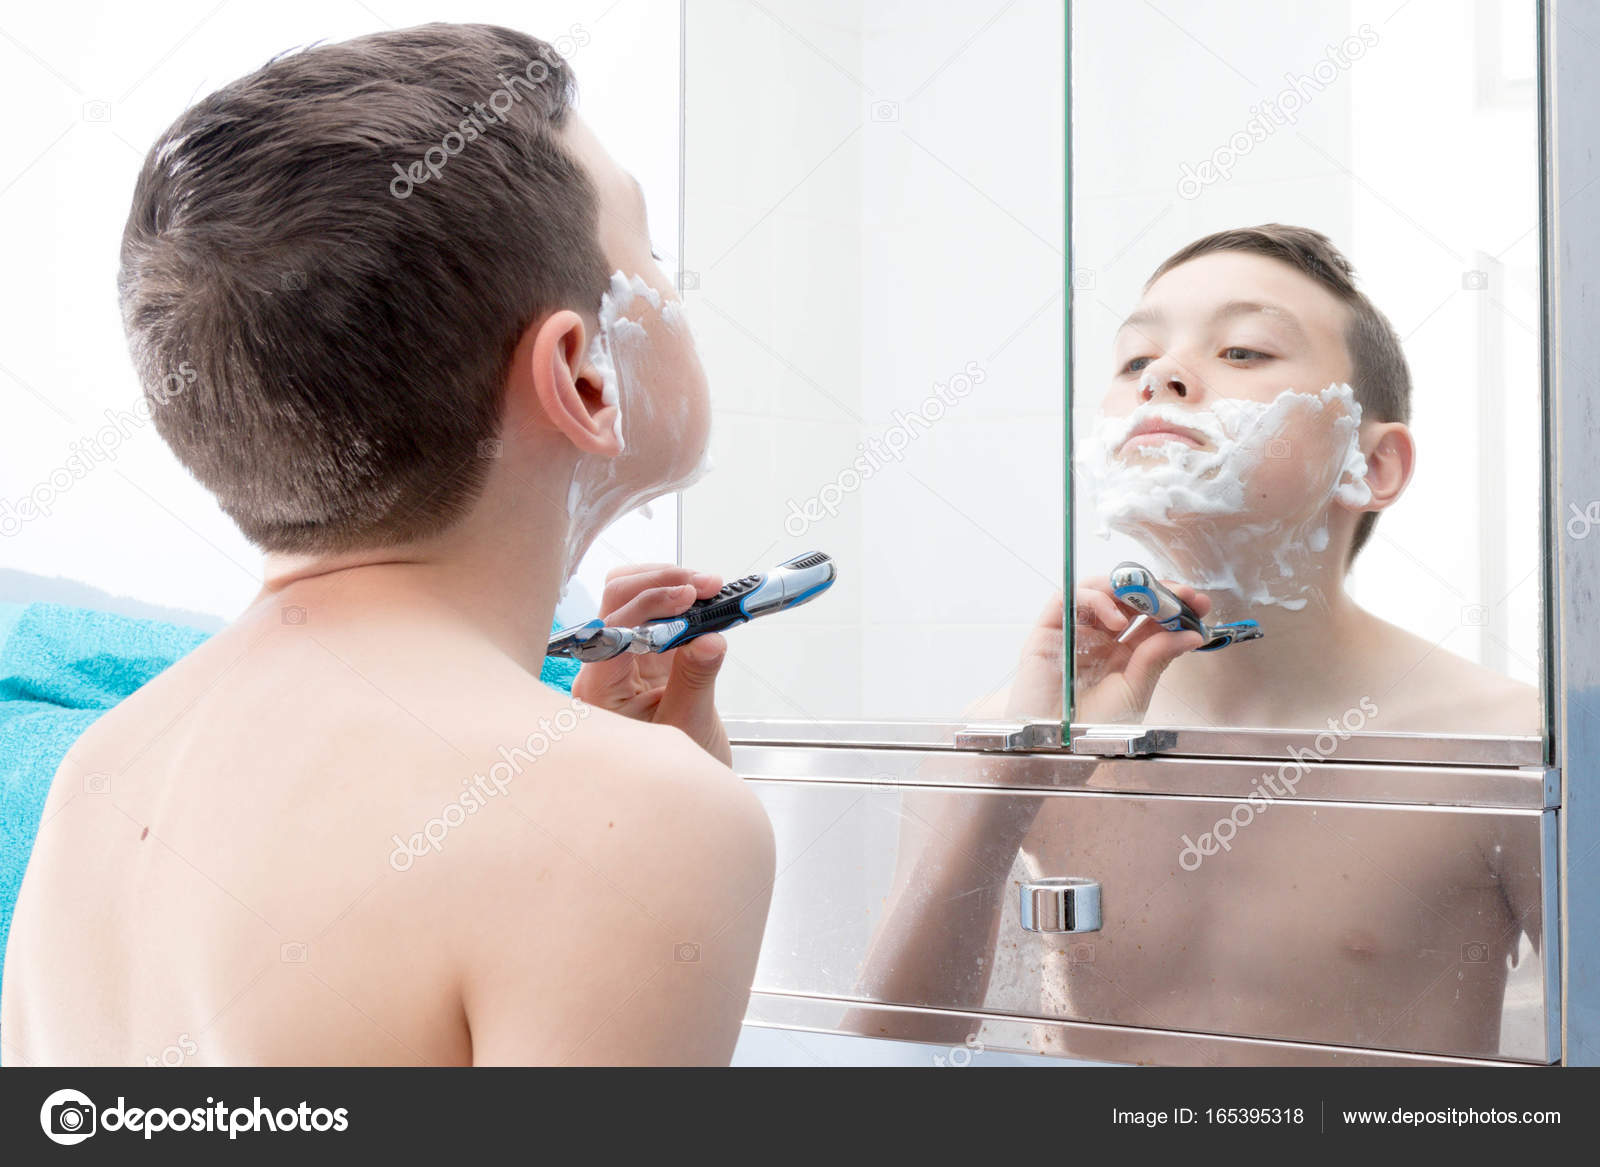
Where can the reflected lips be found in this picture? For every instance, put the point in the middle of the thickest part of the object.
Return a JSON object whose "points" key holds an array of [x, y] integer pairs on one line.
{"points": [[1155, 432]]}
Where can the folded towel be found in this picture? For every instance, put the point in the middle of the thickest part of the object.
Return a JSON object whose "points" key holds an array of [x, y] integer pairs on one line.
{"points": [[61, 668]]}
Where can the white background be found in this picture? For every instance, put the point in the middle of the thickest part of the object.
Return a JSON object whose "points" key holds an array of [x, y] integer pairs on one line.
{"points": [[875, 197]]}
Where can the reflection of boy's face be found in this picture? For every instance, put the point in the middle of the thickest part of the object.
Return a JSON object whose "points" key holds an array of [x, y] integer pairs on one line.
{"points": [[1230, 324], [1235, 325]]}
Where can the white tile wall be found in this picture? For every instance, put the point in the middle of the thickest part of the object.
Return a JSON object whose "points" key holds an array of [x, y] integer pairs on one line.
{"points": [[862, 276]]}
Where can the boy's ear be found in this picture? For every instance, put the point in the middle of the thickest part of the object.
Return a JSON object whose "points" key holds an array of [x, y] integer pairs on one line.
{"points": [[1391, 457], [552, 367]]}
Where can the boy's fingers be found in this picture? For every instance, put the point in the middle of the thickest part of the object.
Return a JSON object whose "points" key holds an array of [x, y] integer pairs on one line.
{"points": [[1152, 656], [653, 604], [1197, 600], [603, 682], [641, 706], [624, 588], [1054, 613], [623, 569], [1099, 610]]}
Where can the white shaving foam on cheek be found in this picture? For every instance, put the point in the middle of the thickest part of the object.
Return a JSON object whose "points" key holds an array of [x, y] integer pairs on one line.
{"points": [[676, 318], [1192, 508], [604, 488]]}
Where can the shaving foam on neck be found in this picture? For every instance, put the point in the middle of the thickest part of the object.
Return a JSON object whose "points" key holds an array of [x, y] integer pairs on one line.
{"points": [[1247, 510], [650, 435]]}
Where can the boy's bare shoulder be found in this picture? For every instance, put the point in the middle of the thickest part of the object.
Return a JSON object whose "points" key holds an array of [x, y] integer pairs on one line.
{"points": [[616, 893], [1434, 690], [633, 798]]}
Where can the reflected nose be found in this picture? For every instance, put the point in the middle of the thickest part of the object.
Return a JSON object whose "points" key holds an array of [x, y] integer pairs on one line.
{"points": [[1163, 381]]}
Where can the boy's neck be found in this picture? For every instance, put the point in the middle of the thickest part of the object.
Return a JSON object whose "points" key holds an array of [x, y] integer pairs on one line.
{"points": [[498, 573], [1308, 658], [1307, 662]]}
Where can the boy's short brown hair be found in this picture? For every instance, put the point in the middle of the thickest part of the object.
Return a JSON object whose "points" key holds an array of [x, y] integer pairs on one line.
{"points": [[345, 247], [1380, 377]]}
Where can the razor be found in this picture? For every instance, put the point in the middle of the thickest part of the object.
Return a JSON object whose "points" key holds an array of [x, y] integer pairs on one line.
{"points": [[1137, 589], [792, 583]]}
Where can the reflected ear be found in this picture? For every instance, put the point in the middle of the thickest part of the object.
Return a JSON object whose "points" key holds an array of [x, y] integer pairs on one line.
{"points": [[1391, 458], [568, 387]]}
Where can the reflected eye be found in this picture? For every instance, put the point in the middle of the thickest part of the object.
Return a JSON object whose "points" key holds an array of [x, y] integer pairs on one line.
{"points": [[654, 256], [1236, 353], [1136, 364]]}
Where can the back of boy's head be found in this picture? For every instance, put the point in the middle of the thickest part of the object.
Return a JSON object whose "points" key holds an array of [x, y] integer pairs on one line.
{"points": [[1380, 377], [345, 334]]}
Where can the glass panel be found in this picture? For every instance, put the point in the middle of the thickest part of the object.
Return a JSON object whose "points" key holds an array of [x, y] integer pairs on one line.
{"points": [[874, 265], [1237, 413]]}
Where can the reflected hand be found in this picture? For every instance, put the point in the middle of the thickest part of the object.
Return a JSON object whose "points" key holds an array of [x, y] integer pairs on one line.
{"points": [[1036, 692], [1115, 679], [677, 687]]}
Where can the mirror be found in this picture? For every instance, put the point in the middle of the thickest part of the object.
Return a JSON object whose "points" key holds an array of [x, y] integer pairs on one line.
{"points": [[1245, 412], [874, 265]]}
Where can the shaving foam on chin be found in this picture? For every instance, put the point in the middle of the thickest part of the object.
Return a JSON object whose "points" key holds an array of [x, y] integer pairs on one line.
{"points": [[603, 489], [1201, 510]]}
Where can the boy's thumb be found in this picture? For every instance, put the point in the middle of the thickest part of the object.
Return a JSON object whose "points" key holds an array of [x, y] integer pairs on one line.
{"points": [[689, 701], [689, 694]]}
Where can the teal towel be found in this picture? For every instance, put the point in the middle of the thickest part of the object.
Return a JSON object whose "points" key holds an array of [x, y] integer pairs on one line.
{"points": [[60, 669]]}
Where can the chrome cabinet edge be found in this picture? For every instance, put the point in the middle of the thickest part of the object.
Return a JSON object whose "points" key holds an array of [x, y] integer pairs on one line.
{"points": [[1204, 741], [1569, 155], [1232, 778], [1394, 748], [1553, 939], [1077, 1040]]}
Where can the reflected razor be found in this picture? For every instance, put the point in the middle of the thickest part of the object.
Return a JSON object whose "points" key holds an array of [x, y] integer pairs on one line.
{"points": [[1137, 589], [792, 583]]}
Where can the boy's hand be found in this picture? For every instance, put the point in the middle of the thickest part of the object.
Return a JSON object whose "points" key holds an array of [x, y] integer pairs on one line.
{"points": [[670, 688], [1115, 680]]}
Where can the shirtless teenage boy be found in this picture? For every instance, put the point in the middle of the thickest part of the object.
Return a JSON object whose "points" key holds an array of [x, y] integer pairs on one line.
{"points": [[400, 399]]}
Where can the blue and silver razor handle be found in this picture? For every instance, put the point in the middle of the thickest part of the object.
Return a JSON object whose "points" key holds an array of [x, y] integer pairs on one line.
{"points": [[1137, 588], [788, 585]]}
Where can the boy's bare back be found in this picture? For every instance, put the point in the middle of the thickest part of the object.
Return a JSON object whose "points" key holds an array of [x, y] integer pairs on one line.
{"points": [[217, 877]]}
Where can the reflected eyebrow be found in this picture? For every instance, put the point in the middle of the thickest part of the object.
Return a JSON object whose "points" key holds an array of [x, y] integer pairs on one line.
{"points": [[1140, 316], [1153, 317], [1253, 307]]}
